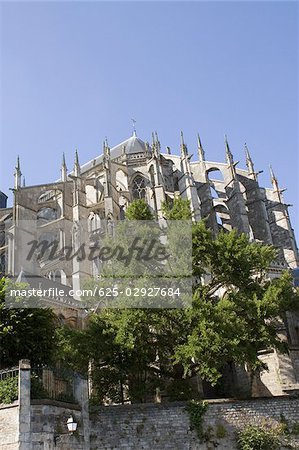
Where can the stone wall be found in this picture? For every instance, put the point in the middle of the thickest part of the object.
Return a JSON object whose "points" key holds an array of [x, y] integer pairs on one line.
{"points": [[9, 427], [42, 424], [49, 420], [167, 426]]}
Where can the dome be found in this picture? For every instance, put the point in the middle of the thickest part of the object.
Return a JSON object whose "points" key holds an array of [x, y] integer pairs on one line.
{"points": [[132, 145]]}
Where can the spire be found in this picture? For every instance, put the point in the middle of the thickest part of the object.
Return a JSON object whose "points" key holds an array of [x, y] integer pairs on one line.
{"points": [[275, 185], [249, 163], [24, 182], [184, 150], [63, 169], [274, 180], [134, 128], [106, 148], [147, 147], [106, 153], [18, 174], [230, 158], [76, 165], [168, 151], [229, 155], [157, 143], [200, 150], [153, 139]]}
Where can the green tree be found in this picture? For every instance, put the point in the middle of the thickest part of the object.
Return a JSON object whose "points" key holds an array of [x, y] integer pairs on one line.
{"points": [[234, 315], [132, 347], [27, 333], [236, 307], [139, 210], [178, 209]]}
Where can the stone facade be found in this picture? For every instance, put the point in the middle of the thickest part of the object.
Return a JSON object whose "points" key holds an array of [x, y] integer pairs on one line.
{"points": [[226, 196]]}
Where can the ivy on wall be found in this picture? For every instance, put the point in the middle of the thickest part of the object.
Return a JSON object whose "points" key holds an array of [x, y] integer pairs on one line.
{"points": [[196, 410]]}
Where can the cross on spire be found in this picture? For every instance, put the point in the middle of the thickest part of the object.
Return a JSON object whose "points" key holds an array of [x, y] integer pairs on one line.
{"points": [[134, 127]]}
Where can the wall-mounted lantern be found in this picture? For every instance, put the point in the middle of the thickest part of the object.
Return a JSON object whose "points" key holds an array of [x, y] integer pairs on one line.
{"points": [[71, 426]]}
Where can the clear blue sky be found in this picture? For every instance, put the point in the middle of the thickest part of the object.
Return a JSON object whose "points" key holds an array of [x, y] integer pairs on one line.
{"points": [[73, 73]]}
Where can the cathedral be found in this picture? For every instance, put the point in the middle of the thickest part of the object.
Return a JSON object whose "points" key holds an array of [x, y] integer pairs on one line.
{"points": [[226, 196]]}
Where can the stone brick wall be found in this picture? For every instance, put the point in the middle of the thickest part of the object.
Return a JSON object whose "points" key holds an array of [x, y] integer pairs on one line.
{"points": [[9, 427], [167, 426], [49, 420], [142, 426]]}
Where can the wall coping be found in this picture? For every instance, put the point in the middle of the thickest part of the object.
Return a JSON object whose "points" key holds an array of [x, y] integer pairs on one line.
{"points": [[10, 405], [217, 401], [55, 403]]}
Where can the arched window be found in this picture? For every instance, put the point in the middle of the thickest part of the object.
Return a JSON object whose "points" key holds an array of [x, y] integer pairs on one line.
{"points": [[94, 222], [57, 276], [47, 214], [139, 187]]}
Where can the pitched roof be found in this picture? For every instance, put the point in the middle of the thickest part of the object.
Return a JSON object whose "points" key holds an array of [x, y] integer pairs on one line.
{"points": [[132, 145]]}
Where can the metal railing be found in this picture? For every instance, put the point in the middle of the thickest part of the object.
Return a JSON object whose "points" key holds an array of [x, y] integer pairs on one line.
{"points": [[11, 372], [53, 383], [46, 383], [9, 385]]}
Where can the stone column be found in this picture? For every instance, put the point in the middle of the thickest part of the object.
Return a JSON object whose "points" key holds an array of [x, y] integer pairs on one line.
{"points": [[24, 405], [81, 395]]}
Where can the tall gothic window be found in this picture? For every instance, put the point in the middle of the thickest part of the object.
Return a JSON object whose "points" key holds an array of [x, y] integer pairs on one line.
{"points": [[139, 187]]}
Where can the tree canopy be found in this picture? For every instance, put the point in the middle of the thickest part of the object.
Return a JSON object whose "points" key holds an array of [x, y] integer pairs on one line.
{"points": [[139, 210], [234, 315], [25, 333]]}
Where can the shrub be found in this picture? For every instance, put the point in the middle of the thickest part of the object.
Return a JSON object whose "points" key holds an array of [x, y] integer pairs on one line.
{"points": [[295, 428], [196, 412], [220, 431], [9, 390], [257, 438]]}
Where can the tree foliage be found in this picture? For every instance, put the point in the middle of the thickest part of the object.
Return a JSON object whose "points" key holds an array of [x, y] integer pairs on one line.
{"points": [[178, 209], [25, 333], [235, 311], [139, 210]]}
